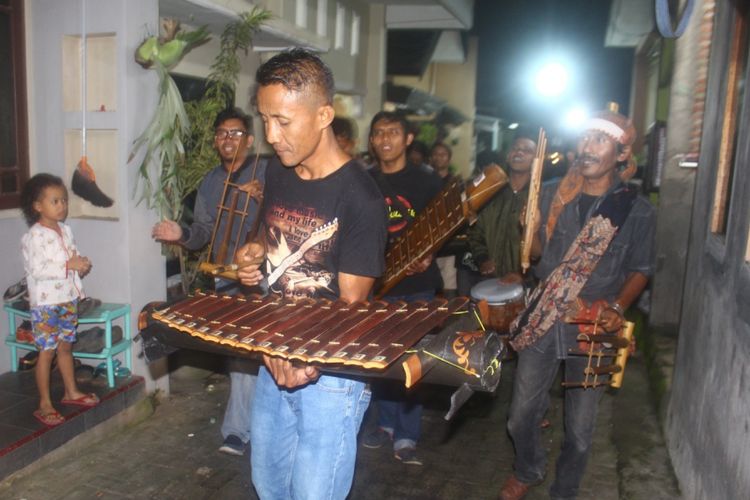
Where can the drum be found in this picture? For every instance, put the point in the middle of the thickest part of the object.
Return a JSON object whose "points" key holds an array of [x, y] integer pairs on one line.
{"points": [[498, 303]]}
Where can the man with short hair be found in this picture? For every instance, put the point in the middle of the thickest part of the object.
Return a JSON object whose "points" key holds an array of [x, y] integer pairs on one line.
{"points": [[344, 131], [233, 139], [417, 154], [596, 244], [304, 425], [495, 239], [440, 160], [407, 189]]}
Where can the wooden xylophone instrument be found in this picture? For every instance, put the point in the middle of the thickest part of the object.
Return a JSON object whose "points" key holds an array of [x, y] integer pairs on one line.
{"points": [[378, 339], [442, 217], [366, 335]]}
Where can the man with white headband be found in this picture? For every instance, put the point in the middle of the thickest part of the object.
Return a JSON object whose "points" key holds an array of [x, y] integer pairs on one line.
{"points": [[595, 250]]}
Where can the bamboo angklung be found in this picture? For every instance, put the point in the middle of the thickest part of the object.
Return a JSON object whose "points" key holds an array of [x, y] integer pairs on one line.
{"points": [[532, 205], [612, 347], [221, 268]]}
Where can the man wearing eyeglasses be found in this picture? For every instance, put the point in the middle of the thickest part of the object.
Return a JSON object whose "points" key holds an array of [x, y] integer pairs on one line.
{"points": [[233, 139]]}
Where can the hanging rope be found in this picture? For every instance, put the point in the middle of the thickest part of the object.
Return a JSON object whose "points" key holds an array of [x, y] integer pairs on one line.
{"points": [[664, 19]]}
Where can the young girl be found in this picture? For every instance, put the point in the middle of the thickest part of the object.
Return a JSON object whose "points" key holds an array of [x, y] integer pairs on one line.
{"points": [[53, 274]]}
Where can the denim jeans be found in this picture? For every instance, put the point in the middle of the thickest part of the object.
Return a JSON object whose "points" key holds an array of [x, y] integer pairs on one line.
{"points": [[241, 384], [237, 415], [304, 441], [402, 419], [536, 371], [400, 414]]}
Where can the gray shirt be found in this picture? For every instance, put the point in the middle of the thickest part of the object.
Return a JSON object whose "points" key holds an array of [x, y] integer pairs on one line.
{"points": [[210, 191]]}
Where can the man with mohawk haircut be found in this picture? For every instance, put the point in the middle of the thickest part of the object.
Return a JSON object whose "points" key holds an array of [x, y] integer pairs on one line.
{"points": [[304, 423]]}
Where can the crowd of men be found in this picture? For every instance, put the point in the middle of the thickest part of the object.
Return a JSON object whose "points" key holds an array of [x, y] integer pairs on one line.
{"points": [[593, 246]]}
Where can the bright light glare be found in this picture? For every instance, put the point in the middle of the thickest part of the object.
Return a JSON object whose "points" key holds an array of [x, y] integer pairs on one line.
{"points": [[552, 79], [575, 117], [513, 126]]}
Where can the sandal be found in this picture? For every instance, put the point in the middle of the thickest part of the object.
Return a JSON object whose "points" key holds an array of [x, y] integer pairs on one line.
{"points": [[50, 419], [87, 400]]}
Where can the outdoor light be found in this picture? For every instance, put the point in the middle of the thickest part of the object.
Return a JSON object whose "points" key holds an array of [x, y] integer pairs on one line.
{"points": [[552, 79], [513, 126], [575, 117]]}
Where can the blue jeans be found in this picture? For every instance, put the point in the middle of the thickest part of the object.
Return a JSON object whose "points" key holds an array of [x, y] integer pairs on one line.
{"points": [[241, 385], [401, 419], [237, 415], [536, 371], [401, 415], [304, 441]]}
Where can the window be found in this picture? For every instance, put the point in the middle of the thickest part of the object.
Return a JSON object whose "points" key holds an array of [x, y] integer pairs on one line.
{"points": [[322, 20], [340, 26], [300, 14], [355, 35], [14, 160], [735, 91]]}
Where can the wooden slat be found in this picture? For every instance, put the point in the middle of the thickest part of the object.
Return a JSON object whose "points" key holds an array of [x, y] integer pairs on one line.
{"points": [[366, 335]]}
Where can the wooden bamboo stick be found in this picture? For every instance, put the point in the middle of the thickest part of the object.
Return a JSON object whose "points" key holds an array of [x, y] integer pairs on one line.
{"points": [[532, 205]]}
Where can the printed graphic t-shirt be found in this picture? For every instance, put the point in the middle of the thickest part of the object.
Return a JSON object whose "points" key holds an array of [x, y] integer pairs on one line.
{"points": [[318, 228], [407, 192]]}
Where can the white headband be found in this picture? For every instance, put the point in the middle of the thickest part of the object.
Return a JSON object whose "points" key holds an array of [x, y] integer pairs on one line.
{"points": [[605, 126]]}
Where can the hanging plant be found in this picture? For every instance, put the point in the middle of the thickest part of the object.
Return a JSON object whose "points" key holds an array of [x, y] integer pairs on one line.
{"points": [[221, 86], [163, 137]]}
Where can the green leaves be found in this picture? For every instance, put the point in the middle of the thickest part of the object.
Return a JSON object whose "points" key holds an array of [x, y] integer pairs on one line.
{"points": [[163, 149], [222, 83], [177, 144], [172, 47], [162, 140]]}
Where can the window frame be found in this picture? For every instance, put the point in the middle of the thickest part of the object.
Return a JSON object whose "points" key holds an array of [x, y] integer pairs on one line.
{"points": [[738, 59], [15, 9]]}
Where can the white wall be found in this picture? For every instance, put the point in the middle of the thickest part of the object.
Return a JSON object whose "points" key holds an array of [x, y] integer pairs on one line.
{"points": [[127, 266]]}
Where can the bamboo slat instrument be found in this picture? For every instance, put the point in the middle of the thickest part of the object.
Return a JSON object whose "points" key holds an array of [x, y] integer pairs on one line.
{"points": [[532, 205]]}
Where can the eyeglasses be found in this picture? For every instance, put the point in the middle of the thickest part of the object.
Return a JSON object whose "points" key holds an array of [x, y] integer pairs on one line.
{"points": [[222, 134]]}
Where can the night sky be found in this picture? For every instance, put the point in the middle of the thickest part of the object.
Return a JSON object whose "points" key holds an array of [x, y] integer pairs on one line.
{"points": [[514, 35]]}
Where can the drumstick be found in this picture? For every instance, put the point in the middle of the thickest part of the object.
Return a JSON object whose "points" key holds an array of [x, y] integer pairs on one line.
{"points": [[532, 205], [236, 267]]}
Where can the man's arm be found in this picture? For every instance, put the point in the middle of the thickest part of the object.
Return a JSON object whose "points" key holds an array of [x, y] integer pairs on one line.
{"points": [[478, 244], [352, 288], [194, 237], [612, 317], [249, 259]]}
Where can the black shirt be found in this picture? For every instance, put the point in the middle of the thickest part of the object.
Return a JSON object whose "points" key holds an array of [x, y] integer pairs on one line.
{"points": [[407, 192], [318, 228]]}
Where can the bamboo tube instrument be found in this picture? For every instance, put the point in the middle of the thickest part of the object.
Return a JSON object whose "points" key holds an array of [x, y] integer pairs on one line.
{"points": [[532, 205]]}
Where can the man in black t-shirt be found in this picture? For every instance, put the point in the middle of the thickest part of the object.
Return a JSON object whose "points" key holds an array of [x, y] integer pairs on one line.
{"points": [[407, 190], [324, 236]]}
